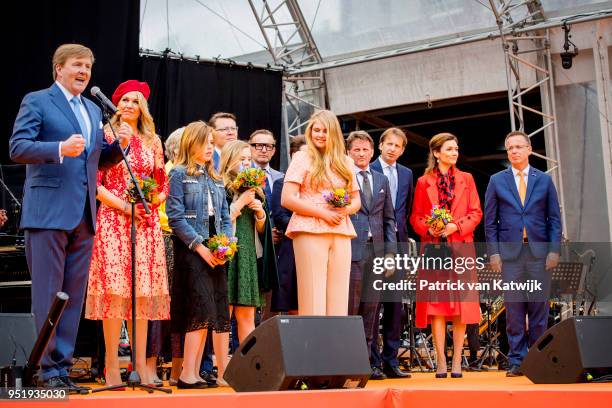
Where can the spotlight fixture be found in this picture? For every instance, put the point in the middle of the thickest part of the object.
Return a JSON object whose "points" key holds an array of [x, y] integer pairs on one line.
{"points": [[567, 56]]}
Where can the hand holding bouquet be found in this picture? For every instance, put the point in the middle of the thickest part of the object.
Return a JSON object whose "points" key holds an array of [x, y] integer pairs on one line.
{"points": [[149, 188], [438, 219], [223, 247], [249, 177], [337, 197]]}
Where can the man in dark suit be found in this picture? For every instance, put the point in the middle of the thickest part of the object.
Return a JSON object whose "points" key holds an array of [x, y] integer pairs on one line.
{"points": [[523, 230], [392, 145], [225, 131], [263, 147], [58, 134], [375, 227]]}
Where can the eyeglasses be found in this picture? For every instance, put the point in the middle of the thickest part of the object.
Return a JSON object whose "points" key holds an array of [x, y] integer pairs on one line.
{"points": [[511, 148], [227, 129], [262, 146]]}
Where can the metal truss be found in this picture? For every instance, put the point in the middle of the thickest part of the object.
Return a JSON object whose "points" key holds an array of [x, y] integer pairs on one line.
{"points": [[512, 17], [291, 45]]}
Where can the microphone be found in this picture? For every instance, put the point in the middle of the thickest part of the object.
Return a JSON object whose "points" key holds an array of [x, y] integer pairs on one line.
{"points": [[104, 101]]}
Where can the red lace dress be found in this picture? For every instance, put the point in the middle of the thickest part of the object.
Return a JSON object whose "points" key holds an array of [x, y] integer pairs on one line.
{"points": [[109, 288]]}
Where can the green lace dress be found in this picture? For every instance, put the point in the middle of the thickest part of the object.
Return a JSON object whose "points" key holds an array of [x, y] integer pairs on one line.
{"points": [[242, 278]]}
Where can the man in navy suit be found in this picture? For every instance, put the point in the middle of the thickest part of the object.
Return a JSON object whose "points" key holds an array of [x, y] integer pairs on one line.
{"points": [[263, 147], [58, 134], [392, 144], [523, 231], [375, 227], [225, 131]]}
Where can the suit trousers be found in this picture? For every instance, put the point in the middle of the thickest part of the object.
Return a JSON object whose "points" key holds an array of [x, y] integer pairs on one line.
{"points": [[522, 305], [323, 265], [363, 300], [59, 261]]}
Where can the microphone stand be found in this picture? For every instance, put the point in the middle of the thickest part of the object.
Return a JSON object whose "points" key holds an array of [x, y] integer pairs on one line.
{"points": [[16, 205], [133, 380]]}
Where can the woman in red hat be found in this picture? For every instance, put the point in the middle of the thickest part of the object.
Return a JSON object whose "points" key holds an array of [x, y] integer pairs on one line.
{"points": [[109, 290]]}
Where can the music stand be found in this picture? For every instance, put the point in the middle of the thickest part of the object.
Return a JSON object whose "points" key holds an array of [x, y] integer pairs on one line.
{"points": [[568, 279], [413, 353], [491, 350]]}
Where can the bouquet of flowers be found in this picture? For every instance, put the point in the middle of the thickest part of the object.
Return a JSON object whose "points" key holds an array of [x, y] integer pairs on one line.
{"points": [[148, 186], [438, 218], [222, 246], [249, 177], [337, 197]]}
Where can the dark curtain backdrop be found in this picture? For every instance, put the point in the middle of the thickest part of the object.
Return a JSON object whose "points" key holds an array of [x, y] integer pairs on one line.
{"points": [[184, 91], [33, 30]]}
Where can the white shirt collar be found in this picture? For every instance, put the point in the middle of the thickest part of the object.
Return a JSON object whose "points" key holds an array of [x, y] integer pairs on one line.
{"points": [[357, 170], [516, 171], [218, 151], [384, 164], [67, 93]]}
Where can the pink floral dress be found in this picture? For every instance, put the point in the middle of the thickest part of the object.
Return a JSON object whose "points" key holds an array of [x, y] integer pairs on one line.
{"points": [[109, 288]]}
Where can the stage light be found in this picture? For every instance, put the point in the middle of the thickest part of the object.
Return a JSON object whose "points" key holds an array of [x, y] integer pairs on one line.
{"points": [[567, 57]]}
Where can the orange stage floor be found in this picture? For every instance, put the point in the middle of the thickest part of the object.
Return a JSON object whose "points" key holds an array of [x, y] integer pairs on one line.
{"points": [[422, 390]]}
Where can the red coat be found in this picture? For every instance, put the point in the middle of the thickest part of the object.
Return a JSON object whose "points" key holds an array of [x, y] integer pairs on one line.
{"points": [[467, 214], [465, 207]]}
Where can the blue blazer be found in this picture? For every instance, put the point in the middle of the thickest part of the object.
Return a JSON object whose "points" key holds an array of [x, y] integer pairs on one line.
{"points": [[55, 193], [378, 218], [505, 216], [403, 201], [280, 215]]}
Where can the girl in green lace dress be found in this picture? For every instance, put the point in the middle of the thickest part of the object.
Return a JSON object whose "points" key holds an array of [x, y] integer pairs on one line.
{"points": [[255, 262]]}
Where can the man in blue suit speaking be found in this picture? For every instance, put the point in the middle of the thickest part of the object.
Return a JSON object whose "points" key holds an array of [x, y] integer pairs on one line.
{"points": [[58, 134], [523, 231]]}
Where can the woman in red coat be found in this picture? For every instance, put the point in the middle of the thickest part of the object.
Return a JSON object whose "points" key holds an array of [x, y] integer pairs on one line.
{"points": [[445, 186]]}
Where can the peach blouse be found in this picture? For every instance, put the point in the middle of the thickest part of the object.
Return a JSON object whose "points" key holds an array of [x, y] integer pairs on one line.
{"points": [[299, 172]]}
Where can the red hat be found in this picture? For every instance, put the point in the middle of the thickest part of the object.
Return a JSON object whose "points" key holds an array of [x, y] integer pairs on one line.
{"points": [[129, 86]]}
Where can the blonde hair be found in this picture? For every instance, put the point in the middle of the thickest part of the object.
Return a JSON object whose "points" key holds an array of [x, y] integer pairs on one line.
{"points": [[65, 51], [435, 144], [196, 134], [396, 132], [229, 160], [145, 125], [172, 142], [334, 157]]}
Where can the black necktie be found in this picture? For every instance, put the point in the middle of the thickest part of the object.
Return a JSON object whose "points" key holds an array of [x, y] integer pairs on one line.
{"points": [[367, 188], [268, 188]]}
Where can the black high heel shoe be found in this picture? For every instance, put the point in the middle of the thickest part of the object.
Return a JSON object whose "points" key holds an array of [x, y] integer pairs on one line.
{"points": [[456, 375], [185, 385], [441, 375]]}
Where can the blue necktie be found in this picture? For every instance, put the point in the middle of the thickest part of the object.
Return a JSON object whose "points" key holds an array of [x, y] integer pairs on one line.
{"points": [[393, 184], [76, 108]]}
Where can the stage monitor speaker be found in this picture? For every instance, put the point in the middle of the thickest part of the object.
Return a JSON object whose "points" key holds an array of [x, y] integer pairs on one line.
{"points": [[17, 338], [301, 352], [575, 350]]}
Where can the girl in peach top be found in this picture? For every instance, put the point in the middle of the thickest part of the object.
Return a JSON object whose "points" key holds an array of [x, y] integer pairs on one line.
{"points": [[321, 233]]}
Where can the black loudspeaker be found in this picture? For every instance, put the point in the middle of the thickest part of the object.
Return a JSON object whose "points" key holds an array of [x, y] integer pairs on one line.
{"points": [[17, 337], [301, 352], [575, 350]]}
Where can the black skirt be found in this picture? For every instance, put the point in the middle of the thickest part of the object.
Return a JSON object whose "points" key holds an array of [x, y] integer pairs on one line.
{"points": [[199, 292]]}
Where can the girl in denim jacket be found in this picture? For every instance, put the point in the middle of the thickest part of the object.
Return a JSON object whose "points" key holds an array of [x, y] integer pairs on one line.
{"points": [[197, 210]]}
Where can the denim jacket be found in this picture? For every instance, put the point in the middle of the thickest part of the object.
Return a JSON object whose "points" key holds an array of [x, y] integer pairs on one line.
{"points": [[187, 207]]}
